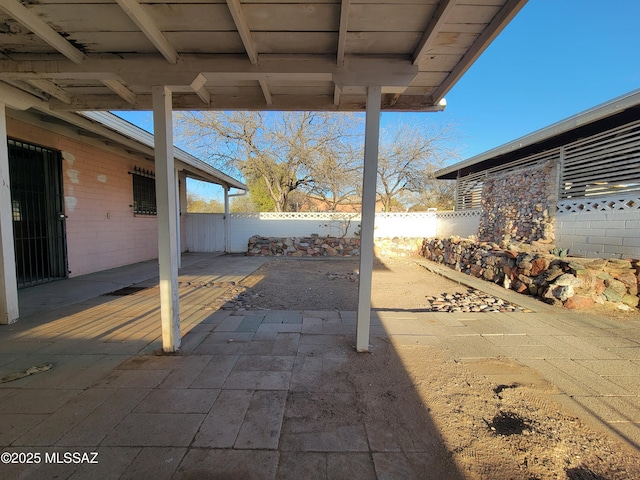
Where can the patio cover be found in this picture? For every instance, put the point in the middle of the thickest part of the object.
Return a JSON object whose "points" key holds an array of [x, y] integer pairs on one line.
{"points": [[349, 55]]}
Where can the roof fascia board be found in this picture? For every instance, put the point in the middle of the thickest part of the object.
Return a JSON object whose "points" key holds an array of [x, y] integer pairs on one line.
{"points": [[112, 127], [594, 114], [113, 122]]}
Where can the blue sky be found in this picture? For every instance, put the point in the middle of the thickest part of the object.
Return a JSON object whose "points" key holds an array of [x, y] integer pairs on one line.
{"points": [[555, 59]]}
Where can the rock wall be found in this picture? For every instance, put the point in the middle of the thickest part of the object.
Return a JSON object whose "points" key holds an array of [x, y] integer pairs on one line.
{"points": [[519, 204], [303, 246], [572, 282], [331, 246]]}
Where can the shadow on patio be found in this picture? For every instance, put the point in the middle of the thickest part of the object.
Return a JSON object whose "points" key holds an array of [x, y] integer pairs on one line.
{"points": [[252, 394]]}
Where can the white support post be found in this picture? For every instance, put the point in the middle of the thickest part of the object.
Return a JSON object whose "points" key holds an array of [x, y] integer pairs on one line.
{"points": [[8, 281], [166, 204], [178, 225], [372, 135], [227, 220]]}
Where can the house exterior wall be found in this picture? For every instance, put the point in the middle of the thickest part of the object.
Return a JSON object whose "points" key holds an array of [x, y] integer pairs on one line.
{"points": [[102, 231]]}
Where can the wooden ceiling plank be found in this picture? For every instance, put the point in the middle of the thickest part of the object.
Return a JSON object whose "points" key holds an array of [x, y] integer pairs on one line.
{"points": [[342, 32], [119, 89], [498, 22], [266, 91], [149, 28], [435, 25], [243, 29], [23, 15], [52, 89]]}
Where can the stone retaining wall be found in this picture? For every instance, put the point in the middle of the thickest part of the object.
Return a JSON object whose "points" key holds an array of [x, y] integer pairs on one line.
{"points": [[519, 204], [331, 246], [532, 270]]}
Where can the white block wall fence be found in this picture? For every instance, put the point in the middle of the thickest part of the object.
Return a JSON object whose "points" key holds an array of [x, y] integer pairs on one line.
{"points": [[205, 231], [604, 227]]}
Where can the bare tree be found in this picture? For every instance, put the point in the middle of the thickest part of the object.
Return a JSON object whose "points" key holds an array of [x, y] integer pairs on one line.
{"points": [[408, 157], [280, 149], [339, 175], [438, 194]]}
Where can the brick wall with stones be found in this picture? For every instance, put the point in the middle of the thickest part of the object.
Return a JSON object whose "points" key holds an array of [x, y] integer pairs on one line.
{"points": [[331, 246], [571, 281], [519, 204]]}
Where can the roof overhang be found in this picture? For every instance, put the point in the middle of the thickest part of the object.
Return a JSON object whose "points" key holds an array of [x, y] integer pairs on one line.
{"points": [[113, 129], [249, 55], [564, 131]]}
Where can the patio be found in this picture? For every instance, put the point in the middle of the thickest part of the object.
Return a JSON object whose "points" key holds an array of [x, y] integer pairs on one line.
{"points": [[274, 394]]}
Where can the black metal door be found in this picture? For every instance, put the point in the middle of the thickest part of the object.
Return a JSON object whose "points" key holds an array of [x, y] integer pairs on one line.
{"points": [[38, 213]]}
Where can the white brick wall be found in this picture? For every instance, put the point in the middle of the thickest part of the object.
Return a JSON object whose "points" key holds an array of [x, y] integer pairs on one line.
{"points": [[614, 233]]}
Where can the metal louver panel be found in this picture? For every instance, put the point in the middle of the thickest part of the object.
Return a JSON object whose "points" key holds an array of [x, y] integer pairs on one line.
{"points": [[469, 191], [469, 188], [603, 164]]}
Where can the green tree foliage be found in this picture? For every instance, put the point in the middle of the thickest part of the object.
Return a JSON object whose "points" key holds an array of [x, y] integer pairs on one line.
{"points": [[198, 204], [260, 195], [242, 204]]}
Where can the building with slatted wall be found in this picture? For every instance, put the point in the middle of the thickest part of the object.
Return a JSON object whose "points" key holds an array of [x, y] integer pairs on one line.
{"points": [[575, 184]]}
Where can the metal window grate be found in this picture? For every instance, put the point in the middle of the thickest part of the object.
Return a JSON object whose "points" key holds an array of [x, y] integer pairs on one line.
{"points": [[144, 192]]}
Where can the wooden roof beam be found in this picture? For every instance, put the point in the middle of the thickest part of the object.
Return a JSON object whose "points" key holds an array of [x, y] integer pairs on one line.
{"points": [[509, 10], [198, 86], [118, 88], [342, 32], [52, 89], [266, 91], [145, 23], [437, 21], [243, 29], [147, 68], [23, 15]]}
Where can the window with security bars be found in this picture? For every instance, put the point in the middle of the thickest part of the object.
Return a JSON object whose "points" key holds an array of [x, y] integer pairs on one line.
{"points": [[144, 192]]}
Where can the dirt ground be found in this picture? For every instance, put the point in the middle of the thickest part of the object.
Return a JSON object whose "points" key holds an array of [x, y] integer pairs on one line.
{"points": [[320, 284], [491, 431]]}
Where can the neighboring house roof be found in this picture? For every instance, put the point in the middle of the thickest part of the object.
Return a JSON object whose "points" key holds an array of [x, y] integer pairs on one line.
{"points": [[600, 118]]}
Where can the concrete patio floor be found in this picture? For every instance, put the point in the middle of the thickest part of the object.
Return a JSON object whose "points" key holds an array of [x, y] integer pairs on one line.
{"points": [[228, 405]]}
